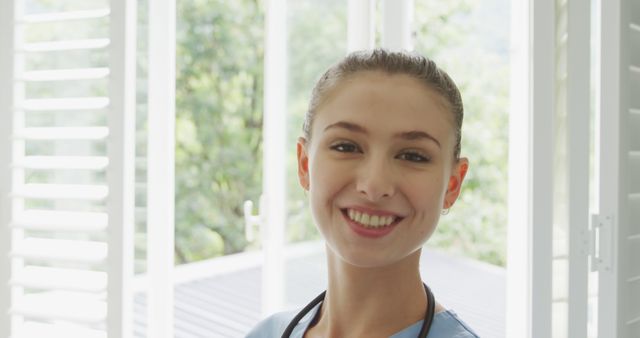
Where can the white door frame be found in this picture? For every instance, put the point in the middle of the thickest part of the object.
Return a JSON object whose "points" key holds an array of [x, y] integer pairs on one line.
{"points": [[530, 206], [273, 205]]}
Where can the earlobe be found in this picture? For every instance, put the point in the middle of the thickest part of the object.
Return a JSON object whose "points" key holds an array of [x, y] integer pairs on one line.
{"points": [[303, 163]]}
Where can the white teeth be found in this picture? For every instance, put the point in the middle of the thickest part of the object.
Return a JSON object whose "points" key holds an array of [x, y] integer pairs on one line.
{"points": [[371, 221], [375, 221]]}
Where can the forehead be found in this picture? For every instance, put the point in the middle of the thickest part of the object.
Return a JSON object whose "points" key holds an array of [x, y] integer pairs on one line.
{"points": [[364, 78], [386, 101]]}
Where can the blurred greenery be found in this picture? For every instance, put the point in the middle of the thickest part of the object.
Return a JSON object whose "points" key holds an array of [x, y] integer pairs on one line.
{"points": [[308, 59], [218, 123], [220, 53], [455, 34]]}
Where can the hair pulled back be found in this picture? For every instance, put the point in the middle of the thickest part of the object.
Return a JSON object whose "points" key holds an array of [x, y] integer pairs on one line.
{"points": [[411, 64]]}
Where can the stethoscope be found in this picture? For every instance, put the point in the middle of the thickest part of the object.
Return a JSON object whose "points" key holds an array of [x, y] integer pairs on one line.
{"points": [[424, 330]]}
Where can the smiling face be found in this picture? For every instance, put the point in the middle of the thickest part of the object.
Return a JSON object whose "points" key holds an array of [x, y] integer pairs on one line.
{"points": [[380, 167]]}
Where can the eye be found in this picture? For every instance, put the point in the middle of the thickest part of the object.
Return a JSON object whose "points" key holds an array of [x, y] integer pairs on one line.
{"points": [[345, 147], [413, 156]]}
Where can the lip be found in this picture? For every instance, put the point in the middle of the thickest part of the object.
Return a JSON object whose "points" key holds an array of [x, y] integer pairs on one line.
{"points": [[370, 232]]}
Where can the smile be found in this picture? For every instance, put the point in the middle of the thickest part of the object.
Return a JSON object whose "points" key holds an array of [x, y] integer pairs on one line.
{"points": [[368, 220], [370, 224]]}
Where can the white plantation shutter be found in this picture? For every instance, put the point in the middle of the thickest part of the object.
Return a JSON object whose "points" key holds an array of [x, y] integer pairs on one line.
{"points": [[619, 171], [630, 173], [66, 113]]}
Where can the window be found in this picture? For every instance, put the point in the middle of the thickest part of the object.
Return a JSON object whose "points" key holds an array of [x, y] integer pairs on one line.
{"points": [[67, 189]]}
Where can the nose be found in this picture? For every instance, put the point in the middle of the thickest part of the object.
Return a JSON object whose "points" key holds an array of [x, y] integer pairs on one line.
{"points": [[375, 180]]}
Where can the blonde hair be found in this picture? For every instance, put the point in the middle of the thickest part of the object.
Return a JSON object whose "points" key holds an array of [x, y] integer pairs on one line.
{"points": [[414, 65]]}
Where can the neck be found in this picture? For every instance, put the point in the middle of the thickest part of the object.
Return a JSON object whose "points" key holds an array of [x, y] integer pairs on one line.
{"points": [[371, 302]]}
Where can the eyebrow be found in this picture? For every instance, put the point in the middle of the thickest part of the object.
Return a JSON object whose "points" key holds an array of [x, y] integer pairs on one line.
{"points": [[407, 135]]}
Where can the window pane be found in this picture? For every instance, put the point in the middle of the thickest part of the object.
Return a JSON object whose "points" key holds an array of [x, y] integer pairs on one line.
{"points": [[470, 40], [317, 39], [218, 124]]}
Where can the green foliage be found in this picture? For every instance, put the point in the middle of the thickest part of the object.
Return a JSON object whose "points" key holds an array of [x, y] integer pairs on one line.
{"points": [[436, 25], [317, 39], [218, 123], [476, 224]]}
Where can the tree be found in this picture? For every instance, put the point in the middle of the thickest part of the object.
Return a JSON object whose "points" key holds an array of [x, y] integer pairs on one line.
{"points": [[218, 123], [455, 35]]}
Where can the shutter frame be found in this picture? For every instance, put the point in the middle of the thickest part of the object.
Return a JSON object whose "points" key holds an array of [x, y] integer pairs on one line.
{"points": [[27, 233], [6, 116], [629, 194], [121, 172], [619, 287]]}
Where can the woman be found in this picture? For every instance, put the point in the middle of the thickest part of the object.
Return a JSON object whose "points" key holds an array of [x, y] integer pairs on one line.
{"points": [[380, 159]]}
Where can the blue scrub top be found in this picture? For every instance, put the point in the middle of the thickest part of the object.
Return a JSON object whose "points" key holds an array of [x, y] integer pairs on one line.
{"points": [[446, 324]]}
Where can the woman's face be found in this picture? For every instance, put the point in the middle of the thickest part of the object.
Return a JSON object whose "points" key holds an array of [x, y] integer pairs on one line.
{"points": [[380, 167]]}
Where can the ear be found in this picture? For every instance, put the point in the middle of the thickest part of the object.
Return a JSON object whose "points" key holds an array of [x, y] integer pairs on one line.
{"points": [[303, 163], [458, 172]]}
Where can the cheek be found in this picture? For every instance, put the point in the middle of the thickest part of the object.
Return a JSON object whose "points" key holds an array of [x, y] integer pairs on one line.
{"points": [[326, 181], [326, 174], [427, 206], [425, 192]]}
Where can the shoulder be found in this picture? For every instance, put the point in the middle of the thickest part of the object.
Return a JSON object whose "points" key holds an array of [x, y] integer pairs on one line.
{"points": [[272, 326], [448, 324]]}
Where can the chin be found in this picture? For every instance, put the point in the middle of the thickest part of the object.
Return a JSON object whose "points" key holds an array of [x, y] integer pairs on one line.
{"points": [[365, 259]]}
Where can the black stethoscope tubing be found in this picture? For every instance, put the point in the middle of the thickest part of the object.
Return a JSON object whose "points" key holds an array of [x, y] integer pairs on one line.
{"points": [[424, 330]]}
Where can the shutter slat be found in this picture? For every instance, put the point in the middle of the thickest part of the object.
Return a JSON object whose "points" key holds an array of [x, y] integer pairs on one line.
{"points": [[63, 133], [51, 220], [34, 329], [61, 250], [65, 74], [62, 162], [61, 305], [71, 103], [64, 16], [38, 277], [61, 191], [54, 46]]}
